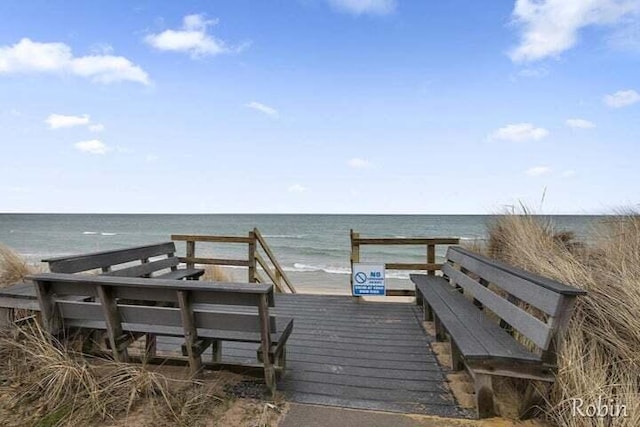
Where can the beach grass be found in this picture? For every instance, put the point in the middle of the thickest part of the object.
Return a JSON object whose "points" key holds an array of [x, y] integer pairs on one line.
{"points": [[599, 360], [13, 268], [47, 382], [215, 273]]}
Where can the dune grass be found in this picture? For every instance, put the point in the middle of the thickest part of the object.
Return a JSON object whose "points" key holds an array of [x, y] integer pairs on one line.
{"points": [[47, 383], [215, 273], [600, 356], [13, 268]]}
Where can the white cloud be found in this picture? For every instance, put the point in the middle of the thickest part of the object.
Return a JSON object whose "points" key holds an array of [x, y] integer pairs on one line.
{"points": [[28, 56], [358, 163], [550, 27], [57, 121], [97, 127], [518, 132], [192, 38], [151, 158], [538, 170], [360, 7], [269, 111], [622, 98], [568, 173], [93, 146], [580, 124], [296, 188]]}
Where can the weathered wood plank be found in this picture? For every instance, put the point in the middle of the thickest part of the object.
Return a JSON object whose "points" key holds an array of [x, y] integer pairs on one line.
{"points": [[445, 410], [90, 261], [412, 266], [190, 332], [144, 268], [542, 281], [147, 283], [265, 341], [211, 239], [181, 273], [531, 327], [279, 270], [49, 314], [356, 392], [475, 335], [112, 321], [405, 241], [166, 316], [214, 261]]}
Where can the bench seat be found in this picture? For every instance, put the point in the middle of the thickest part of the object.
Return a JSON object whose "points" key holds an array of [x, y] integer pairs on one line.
{"points": [[182, 273], [284, 326], [205, 313], [139, 261], [476, 336], [480, 322]]}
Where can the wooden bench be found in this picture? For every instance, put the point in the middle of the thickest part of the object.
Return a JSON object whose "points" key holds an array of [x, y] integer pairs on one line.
{"points": [[148, 261], [205, 314], [483, 342]]}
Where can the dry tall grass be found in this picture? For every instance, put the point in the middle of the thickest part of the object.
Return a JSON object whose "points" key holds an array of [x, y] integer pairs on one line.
{"points": [[215, 273], [600, 357], [13, 268], [47, 383]]}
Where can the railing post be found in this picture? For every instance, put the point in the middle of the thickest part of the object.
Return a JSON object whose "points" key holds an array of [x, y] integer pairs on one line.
{"points": [[252, 257], [431, 257], [355, 256], [191, 253], [278, 278]]}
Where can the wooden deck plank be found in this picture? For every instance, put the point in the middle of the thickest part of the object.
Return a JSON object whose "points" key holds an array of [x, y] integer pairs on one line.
{"points": [[376, 405], [357, 392]]}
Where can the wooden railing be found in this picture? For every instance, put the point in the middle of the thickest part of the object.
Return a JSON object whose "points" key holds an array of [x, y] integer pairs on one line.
{"points": [[256, 263], [430, 256]]}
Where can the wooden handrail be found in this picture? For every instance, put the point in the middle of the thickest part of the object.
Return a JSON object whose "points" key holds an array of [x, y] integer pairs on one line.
{"points": [[279, 271], [254, 241], [212, 239], [406, 241], [430, 242], [215, 261]]}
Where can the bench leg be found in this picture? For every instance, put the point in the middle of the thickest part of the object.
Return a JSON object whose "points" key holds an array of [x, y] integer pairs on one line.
{"points": [[440, 332], [484, 395], [270, 379], [456, 357], [534, 397], [150, 346], [427, 313], [6, 317], [419, 300], [281, 359], [216, 351]]}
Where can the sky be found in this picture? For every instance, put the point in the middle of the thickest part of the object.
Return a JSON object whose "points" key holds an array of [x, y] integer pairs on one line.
{"points": [[319, 106]]}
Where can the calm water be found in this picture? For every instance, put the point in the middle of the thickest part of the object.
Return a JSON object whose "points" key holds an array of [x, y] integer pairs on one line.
{"points": [[314, 249]]}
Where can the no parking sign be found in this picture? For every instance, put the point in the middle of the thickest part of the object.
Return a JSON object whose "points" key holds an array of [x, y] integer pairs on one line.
{"points": [[368, 279]]}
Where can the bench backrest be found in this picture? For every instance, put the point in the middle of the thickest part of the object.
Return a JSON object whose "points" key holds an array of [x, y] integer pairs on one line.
{"points": [[553, 301], [108, 261], [58, 298]]}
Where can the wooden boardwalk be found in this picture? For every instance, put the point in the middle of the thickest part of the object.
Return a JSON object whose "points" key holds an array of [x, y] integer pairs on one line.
{"points": [[362, 355], [365, 355]]}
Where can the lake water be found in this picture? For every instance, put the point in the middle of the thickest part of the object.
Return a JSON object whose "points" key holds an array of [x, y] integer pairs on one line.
{"points": [[313, 249]]}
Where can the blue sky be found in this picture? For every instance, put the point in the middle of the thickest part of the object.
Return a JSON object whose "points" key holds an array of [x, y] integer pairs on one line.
{"points": [[319, 106]]}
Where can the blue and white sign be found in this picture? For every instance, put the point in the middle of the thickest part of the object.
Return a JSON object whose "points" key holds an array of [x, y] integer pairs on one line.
{"points": [[368, 279]]}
